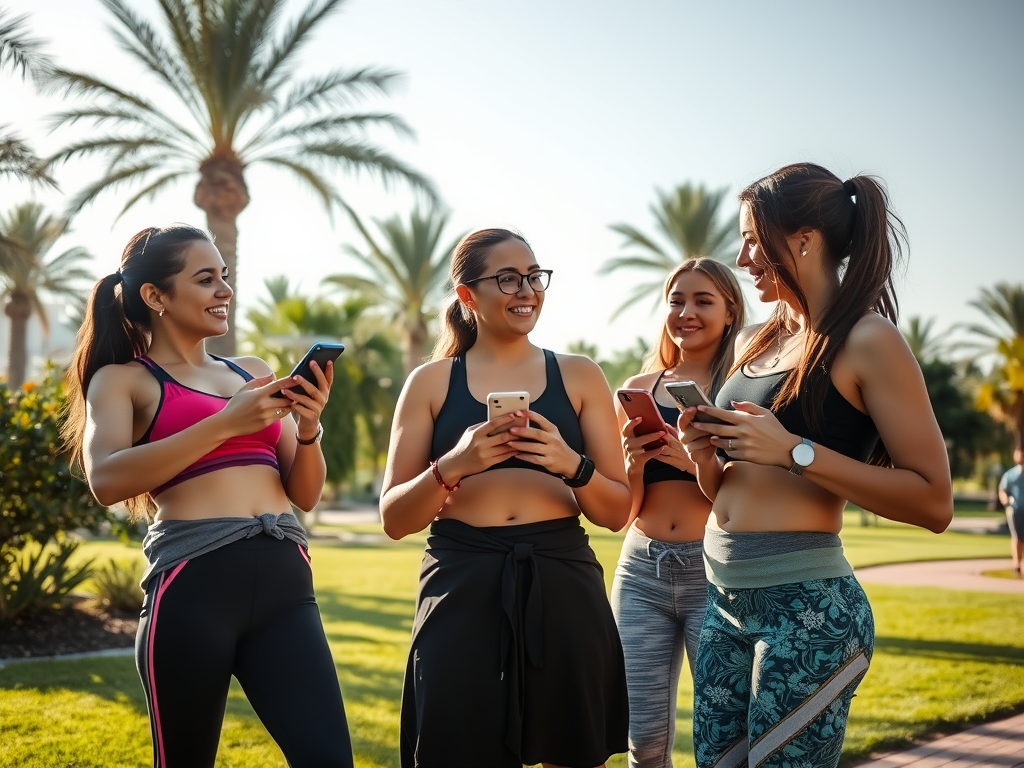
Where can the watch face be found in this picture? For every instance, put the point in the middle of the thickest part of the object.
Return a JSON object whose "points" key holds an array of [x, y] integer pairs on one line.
{"points": [[803, 454]]}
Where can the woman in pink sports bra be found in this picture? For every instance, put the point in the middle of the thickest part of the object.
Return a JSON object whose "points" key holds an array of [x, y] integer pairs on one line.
{"points": [[202, 447]]}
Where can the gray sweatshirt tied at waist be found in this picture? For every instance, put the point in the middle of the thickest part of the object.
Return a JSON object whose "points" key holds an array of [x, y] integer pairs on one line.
{"points": [[170, 542]]}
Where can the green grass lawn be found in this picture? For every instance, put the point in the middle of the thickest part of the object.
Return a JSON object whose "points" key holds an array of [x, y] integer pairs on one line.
{"points": [[943, 658]]}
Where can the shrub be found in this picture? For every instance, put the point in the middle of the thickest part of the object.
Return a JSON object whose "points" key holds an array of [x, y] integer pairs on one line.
{"points": [[40, 500], [39, 577], [116, 585]]}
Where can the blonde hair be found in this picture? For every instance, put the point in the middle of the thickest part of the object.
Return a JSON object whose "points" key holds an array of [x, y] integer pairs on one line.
{"points": [[666, 353]]}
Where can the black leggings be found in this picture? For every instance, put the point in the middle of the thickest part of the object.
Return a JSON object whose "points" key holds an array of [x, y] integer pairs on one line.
{"points": [[246, 609]]}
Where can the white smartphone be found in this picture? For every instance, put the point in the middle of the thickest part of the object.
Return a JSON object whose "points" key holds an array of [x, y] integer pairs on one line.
{"points": [[500, 403], [688, 394]]}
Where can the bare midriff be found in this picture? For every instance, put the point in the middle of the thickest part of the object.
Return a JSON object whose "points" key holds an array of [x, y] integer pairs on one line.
{"points": [[673, 510], [231, 492], [509, 497], [753, 497]]}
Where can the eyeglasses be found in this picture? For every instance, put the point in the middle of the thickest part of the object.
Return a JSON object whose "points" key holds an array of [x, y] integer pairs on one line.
{"points": [[511, 283]]}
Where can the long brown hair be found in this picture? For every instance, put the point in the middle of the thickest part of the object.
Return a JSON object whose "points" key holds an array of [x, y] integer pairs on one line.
{"points": [[458, 325], [666, 353], [863, 241], [118, 324]]}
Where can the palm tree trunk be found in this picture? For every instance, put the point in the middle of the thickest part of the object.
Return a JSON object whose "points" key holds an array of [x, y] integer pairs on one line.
{"points": [[415, 346], [222, 194], [19, 310]]}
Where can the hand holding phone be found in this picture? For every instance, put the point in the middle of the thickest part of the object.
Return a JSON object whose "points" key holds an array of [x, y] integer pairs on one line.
{"points": [[501, 403], [639, 403], [688, 394], [322, 353]]}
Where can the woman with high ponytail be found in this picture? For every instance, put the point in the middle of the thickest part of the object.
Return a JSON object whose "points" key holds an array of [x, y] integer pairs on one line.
{"points": [[825, 404], [515, 657], [213, 452]]}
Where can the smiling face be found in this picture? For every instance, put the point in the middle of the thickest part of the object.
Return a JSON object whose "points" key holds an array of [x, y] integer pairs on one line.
{"points": [[755, 260], [199, 303], [696, 312], [503, 313]]}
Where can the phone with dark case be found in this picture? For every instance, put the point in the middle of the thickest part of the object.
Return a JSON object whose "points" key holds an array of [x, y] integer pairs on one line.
{"points": [[688, 394], [640, 402], [322, 353]]}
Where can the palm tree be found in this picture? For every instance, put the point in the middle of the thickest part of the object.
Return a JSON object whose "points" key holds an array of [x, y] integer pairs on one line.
{"points": [[24, 280], [1003, 394], [409, 270], [920, 337], [365, 383], [229, 67], [689, 220], [20, 52]]}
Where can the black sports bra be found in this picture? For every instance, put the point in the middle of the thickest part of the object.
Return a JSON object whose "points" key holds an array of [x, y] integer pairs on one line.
{"points": [[844, 428], [461, 410], [655, 470]]}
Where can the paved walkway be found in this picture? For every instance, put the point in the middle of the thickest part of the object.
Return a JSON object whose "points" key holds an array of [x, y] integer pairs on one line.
{"points": [[949, 574], [993, 745]]}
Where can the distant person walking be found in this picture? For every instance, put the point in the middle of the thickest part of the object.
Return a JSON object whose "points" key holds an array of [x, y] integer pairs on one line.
{"points": [[205, 444], [1011, 496]]}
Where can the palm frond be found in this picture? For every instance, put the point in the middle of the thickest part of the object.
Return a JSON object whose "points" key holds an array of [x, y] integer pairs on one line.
{"points": [[271, 74], [19, 161], [361, 157], [639, 292], [150, 190], [663, 266], [18, 50], [338, 89], [328, 195], [274, 132], [110, 180], [634, 236]]}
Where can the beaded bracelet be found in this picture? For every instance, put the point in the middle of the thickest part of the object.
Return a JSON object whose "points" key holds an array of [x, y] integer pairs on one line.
{"points": [[440, 480]]}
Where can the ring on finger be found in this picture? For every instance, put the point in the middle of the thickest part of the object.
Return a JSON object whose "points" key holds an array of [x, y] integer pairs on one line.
{"points": [[277, 412], [730, 445]]}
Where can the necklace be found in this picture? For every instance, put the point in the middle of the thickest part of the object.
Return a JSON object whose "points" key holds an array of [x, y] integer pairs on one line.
{"points": [[778, 355]]}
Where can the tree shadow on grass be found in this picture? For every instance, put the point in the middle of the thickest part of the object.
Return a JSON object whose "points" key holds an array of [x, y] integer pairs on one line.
{"points": [[949, 650], [112, 678], [387, 613]]}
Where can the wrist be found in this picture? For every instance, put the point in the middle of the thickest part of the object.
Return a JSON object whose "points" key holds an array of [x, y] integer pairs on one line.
{"points": [[448, 466], [306, 433], [309, 440]]}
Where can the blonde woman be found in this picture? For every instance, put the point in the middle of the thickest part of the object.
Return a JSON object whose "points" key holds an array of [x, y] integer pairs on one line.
{"points": [[660, 591]]}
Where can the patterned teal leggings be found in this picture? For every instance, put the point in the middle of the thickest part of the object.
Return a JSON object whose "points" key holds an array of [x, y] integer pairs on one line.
{"points": [[776, 671]]}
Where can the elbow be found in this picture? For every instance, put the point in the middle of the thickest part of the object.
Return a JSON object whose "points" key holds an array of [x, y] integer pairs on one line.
{"points": [[105, 491], [395, 533], [940, 512], [619, 513]]}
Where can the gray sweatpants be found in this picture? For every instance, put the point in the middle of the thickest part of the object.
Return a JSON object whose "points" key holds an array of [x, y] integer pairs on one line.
{"points": [[658, 597]]}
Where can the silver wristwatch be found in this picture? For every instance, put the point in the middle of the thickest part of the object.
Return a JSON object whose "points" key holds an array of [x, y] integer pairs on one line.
{"points": [[802, 455]]}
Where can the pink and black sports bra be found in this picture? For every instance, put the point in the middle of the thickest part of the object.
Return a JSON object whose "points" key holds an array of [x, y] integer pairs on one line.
{"points": [[181, 407]]}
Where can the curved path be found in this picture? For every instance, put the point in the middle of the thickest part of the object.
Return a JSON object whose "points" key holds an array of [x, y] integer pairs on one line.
{"points": [[949, 574]]}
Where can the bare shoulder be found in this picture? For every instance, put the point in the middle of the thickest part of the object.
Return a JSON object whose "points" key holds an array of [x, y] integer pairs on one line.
{"points": [[579, 368], [430, 375], [254, 366], [874, 338], [119, 378], [642, 381], [744, 335]]}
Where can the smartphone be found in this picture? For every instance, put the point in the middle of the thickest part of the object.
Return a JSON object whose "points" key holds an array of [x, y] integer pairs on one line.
{"points": [[688, 394], [499, 403], [322, 353], [640, 402]]}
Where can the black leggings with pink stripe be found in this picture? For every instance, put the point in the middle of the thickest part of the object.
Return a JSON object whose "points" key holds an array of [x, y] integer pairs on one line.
{"points": [[248, 610]]}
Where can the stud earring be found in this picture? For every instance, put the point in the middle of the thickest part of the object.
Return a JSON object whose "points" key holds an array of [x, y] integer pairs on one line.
{"points": [[161, 313], [803, 253]]}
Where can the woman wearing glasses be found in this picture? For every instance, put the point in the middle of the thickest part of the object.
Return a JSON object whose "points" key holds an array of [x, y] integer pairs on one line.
{"points": [[515, 657]]}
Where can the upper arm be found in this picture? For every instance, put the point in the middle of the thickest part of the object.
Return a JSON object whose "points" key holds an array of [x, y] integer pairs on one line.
{"points": [[413, 426], [254, 366], [896, 399], [109, 415], [598, 423]]}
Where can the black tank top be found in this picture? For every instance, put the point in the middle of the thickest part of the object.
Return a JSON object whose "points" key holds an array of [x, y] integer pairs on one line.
{"points": [[461, 410], [844, 428], [655, 470]]}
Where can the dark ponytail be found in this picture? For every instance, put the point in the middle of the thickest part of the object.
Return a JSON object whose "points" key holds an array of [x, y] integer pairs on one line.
{"points": [[118, 323], [458, 325], [863, 242]]}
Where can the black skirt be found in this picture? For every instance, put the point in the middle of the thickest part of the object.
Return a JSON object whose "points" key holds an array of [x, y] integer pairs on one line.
{"points": [[515, 656]]}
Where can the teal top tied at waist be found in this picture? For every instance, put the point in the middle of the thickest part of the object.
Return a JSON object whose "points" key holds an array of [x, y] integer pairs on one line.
{"points": [[171, 542], [768, 558]]}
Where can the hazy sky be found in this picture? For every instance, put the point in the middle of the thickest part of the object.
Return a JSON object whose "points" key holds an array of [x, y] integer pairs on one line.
{"points": [[560, 117]]}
